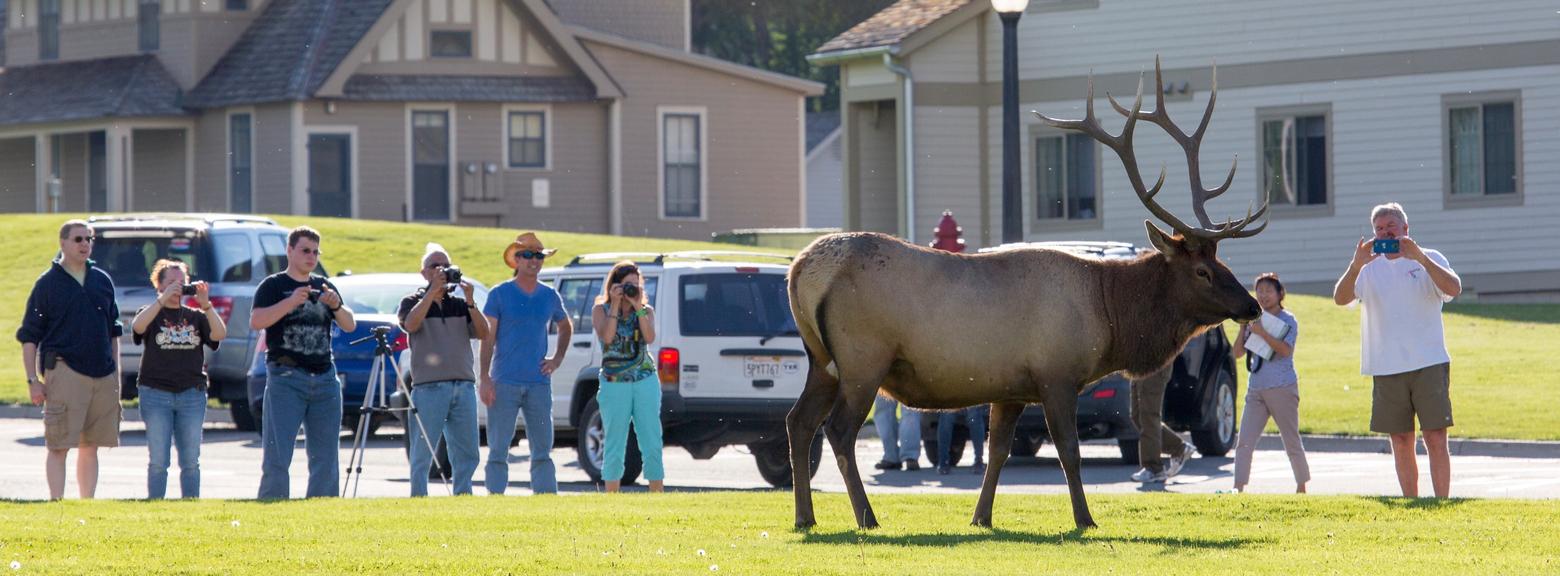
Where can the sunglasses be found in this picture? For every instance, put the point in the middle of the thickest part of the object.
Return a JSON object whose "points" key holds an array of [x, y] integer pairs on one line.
{"points": [[530, 255], [433, 265], [80, 239]]}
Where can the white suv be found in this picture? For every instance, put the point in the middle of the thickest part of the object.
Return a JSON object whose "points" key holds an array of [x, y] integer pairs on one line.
{"points": [[730, 358]]}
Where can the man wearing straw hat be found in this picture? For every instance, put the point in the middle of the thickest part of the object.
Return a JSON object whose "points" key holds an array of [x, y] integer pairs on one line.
{"points": [[516, 371]]}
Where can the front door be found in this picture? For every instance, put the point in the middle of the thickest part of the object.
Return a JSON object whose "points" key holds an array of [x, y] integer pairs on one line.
{"points": [[330, 175], [430, 166]]}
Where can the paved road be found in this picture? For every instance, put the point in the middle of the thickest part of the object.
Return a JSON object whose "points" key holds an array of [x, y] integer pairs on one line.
{"points": [[230, 468]]}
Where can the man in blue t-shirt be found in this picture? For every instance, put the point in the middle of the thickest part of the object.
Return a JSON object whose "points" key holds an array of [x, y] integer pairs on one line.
{"points": [[517, 381]]}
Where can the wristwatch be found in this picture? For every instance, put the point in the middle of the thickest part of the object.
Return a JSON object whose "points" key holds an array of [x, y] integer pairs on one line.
{"points": [[31, 381]]}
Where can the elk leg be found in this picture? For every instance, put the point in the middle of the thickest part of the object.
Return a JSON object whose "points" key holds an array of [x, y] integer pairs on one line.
{"points": [[801, 425], [1004, 420], [850, 411], [1061, 420]]}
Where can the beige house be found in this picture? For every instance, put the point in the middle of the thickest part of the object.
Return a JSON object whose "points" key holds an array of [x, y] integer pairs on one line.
{"points": [[1331, 108], [570, 115]]}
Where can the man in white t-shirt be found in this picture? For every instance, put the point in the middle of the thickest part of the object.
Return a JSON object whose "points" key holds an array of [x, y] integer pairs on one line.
{"points": [[1403, 347]]}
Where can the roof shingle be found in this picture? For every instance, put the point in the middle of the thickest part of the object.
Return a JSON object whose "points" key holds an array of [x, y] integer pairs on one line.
{"points": [[288, 52], [121, 87], [469, 88], [892, 24]]}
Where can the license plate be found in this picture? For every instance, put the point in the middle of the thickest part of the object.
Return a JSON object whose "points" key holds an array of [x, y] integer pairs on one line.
{"points": [[754, 367]]}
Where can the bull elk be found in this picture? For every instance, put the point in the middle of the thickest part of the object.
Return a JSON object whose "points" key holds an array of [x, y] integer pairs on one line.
{"points": [[940, 331]]}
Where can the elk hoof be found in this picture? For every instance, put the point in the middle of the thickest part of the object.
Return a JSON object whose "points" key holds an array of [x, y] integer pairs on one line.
{"points": [[1087, 523], [805, 523], [981, 522]]}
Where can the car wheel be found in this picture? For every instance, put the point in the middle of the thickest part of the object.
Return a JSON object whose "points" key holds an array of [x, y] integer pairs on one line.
{"points": [[441, 455], [961, 438], [350, 422], [1218, 440], [774, 460], [1026, 446], [1129, 451], [257, 411], [591, 447], [243, 418]]}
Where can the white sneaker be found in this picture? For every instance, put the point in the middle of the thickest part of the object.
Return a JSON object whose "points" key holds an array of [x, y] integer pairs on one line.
{"points": [[1176, 462], [1147, 476]]}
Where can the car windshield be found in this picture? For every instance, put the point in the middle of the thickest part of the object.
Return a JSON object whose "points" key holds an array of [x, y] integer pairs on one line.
{"points": [[735, 305], [129, 255]]}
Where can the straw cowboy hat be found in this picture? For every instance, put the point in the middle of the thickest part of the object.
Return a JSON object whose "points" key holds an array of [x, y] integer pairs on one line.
{"points": [[526, 241]]}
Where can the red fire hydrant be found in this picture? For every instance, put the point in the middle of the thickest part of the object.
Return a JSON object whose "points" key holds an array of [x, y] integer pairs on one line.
{"points": [[948, 234]]}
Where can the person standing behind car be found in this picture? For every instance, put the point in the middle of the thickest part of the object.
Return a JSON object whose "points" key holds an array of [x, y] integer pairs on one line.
{"points": [[440, 329], [1273, 389], [630, 389], [516, 372], [296, 310], [71, 328], [172, 382]]}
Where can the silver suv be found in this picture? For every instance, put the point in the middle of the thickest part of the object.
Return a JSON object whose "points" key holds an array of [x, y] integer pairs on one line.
{"points": [[232, 253]]}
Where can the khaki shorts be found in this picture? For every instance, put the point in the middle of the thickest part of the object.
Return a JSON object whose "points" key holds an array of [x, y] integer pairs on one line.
{"points": [[1425, 392], [79, 410]]}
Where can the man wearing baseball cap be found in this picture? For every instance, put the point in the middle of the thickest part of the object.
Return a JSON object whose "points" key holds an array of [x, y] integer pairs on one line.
{"points": [[517, 379]]}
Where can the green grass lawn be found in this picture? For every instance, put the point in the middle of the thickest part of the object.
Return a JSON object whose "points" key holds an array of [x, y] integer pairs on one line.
{"points": [[1502, 377], [750, 533]]}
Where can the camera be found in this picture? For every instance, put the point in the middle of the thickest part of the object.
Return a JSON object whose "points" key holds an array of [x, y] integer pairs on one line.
{"points": [[188, 290], [314, 294], [1385, 246], [631, 290], [452, 274]]}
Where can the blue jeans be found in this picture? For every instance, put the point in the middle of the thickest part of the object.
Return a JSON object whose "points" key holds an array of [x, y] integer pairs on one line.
{"points": [[535, 404], [975, 417], [293, 398], [447, 408], [901, 435], [638, 403], [173, 419]]}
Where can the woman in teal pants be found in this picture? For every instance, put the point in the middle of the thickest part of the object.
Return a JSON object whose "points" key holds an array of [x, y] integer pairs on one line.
{"points": [[630, 387]]}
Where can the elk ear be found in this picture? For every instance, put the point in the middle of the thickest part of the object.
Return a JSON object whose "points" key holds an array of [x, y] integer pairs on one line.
{"points": [[1165, 243]]}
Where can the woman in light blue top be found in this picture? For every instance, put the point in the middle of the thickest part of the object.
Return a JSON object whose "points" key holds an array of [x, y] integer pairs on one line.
{"points": [[630, 387], [1273, 389]]}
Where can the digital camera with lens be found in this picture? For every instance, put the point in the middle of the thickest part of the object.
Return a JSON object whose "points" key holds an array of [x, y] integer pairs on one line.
{"points": [[631, 290], [452, 274], [188, 290]]}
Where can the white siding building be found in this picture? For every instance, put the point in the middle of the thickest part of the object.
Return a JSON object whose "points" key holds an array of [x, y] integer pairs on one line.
{"points": [[1445, 107]]}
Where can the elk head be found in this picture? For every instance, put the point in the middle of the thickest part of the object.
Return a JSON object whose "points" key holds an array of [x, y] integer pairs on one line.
{"points": [[1213, 293]]}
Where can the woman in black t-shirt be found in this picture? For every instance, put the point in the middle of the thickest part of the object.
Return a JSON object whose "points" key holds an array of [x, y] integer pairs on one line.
{"points": [[172, 381]]}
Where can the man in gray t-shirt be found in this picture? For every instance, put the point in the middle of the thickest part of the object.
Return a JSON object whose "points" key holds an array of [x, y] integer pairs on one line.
{"points": [[440, 329]]}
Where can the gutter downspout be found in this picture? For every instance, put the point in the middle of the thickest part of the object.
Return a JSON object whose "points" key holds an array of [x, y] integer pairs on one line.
{"points": [[908, 162]]}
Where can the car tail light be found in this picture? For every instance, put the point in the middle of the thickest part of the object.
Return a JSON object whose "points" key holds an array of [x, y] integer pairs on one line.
{"points": [[1104, 393], [400, 343], [748, 269], [669, 363], [222, 304]]}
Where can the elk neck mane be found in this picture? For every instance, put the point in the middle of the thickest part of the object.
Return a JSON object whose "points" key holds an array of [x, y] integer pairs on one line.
{"points": [[1148, 326]]}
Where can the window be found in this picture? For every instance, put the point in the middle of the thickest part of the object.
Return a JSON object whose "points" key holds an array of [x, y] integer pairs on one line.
{"points": [[579, 300], [430, 165], [735, 305], [450, 43], [237, 5], [1295, 158], [148, 17], [240, 167], [1066, 178], [528, 139], [682, 168], [48, 29], [129, 256], [234, 258], [1483, 148], [274, 247]]}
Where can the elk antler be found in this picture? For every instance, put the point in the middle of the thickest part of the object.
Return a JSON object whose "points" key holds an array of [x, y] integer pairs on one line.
{"points": [[1122, 144]]}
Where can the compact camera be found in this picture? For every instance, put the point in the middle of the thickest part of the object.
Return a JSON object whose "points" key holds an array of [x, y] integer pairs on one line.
{"points": [[631, 291], [188, 290], [1385, 246]]}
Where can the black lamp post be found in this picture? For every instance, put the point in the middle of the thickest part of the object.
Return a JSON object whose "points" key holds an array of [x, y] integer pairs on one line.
{"points": [[1012, 200]]}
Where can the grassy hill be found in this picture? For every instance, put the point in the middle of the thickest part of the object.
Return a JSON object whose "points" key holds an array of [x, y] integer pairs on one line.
{"points": [[1502, 373]]}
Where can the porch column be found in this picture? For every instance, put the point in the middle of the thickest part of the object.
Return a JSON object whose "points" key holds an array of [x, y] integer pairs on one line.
{"points": [[116, 151], [42, 160]]}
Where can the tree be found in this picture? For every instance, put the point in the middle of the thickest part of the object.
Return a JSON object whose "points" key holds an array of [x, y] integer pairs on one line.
{"points": [[777, 35]]}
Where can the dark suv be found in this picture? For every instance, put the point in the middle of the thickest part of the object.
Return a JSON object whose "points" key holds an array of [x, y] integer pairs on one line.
{"points": [[1200, 397], [230, 252]]}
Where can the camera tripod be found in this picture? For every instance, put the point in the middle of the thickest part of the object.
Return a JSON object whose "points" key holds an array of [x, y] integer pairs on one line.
{"points": [[375, 402]]}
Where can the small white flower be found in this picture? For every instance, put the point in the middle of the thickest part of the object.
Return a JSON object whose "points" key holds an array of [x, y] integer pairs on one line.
{"points": [[235, 523], [763, 534], [660, 551], [446, 546], [714, 568], [701, 552], [16, 565], [81, 521]]}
